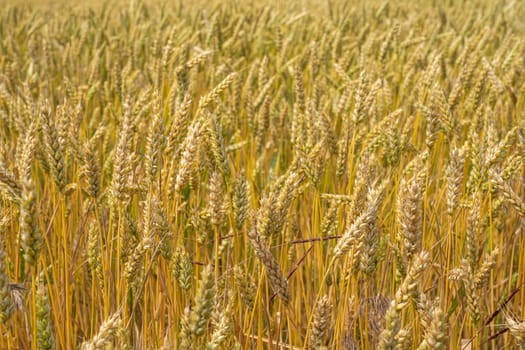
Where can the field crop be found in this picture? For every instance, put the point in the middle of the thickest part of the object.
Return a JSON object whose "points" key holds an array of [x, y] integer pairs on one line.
{"points": [[262, 175]]}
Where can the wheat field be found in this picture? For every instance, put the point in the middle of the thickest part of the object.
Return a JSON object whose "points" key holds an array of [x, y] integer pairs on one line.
{"points": [[262, 175]]}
